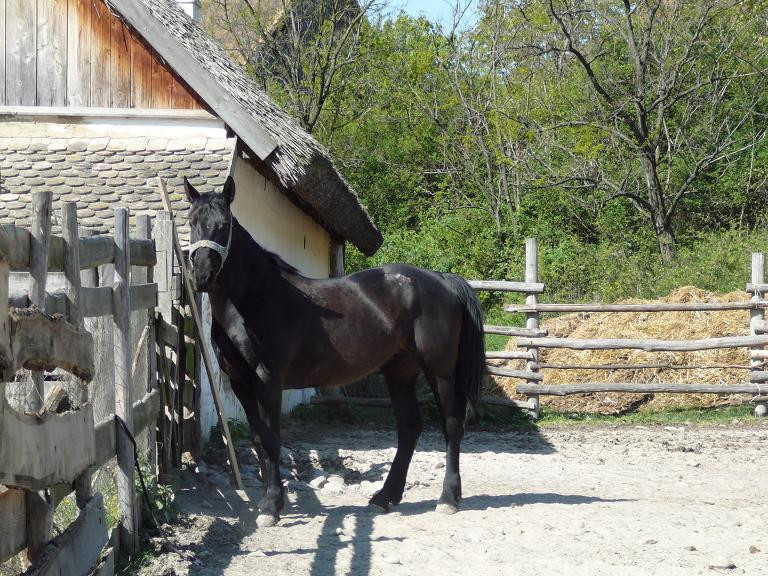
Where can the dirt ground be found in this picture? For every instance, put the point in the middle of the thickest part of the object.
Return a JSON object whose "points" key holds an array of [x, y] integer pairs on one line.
{"points": [[629, 500]]}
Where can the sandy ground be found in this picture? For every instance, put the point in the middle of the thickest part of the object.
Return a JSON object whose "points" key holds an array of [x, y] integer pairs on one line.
{"points": [[628, 500]]}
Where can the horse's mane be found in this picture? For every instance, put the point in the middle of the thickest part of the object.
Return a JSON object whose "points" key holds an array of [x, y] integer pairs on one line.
{"points": [[281, 264]]}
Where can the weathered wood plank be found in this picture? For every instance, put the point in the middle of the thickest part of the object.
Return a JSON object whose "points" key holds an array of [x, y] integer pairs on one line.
{"points": [[514, 331], [79, 53], [101, 55], [98, 250], [42, 205], [647, 345], [13, 523], [41, 342], [162, 83], [141, 73], [6, 352], [120, 67], [634, 387], [123, 387], [508, 355], [526, 405], [39, 451], [52, 53], [146, 411], [77, 550], [97, 301], [507, 286], [661, 307], [143, 296], [508, 373], [2, 59], [21, 52]]}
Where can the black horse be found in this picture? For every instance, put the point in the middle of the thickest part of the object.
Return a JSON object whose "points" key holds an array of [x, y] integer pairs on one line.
{"points": [[274, 329]]}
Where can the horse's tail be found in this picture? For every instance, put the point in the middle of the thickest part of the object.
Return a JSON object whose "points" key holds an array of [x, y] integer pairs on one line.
{"points": [[470, 365]]}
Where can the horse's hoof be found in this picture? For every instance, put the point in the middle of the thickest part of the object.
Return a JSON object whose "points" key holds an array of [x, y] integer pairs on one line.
{"points": [[266, 520], [445, 508], [378, 507]]}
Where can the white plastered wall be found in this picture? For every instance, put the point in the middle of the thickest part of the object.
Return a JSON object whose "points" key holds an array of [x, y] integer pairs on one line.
{"points": [[281, 227]]}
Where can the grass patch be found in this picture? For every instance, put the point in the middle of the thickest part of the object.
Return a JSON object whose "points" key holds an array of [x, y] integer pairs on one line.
{"points": [[500, 416], [722, 415]]}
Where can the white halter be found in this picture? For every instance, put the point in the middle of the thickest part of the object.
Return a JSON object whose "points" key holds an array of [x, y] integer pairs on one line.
{"points": [[222, 250]]}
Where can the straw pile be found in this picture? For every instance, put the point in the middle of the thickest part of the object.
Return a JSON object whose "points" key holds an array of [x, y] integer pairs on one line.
{"points": [[643, 325]]}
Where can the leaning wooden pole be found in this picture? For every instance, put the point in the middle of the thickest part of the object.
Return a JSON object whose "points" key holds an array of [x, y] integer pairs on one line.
{"points": [[204, 349], [126, 490]]}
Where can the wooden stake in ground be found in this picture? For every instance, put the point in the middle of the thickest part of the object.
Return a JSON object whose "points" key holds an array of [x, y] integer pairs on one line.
{"points": [[204, 349]]}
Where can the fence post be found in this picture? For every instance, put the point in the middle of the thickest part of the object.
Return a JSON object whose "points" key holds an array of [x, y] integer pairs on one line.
{"points": [[144, 231], [83, 491], [163, 275], [126, 491], [532, 318], [757, 320], [39, 508]]}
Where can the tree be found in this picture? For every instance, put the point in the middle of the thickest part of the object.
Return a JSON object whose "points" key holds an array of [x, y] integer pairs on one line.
{"points": [[305, 53], [657, 91]]}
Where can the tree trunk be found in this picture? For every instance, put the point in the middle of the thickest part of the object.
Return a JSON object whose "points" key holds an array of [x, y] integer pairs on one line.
{"points": [[665, 234]]}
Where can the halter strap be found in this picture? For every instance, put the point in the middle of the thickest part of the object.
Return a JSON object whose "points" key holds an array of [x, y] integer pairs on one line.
{"points": [[223, 251]]}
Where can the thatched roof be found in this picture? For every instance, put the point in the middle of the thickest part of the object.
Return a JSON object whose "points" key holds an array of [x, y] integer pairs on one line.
{"points": [[288, 154]]}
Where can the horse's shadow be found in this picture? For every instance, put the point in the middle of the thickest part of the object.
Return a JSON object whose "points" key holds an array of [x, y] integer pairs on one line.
{"points": [[329, 544]]}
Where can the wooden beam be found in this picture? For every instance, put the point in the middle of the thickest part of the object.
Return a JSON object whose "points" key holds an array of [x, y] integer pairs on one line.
{"points": [[638, 388], [42, 204], [97, 301], [146, 411], [660, 307], [522, 374], [77, 550], [514, 331], [197, 76], [38, 451], [508, 286], [94, 250], [509, 355], [41, 342], [13, 523], [126, 489], [524, 404], [647, 345]]}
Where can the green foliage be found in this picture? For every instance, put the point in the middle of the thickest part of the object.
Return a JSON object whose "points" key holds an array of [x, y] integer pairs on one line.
{"points": [[462, 144]]}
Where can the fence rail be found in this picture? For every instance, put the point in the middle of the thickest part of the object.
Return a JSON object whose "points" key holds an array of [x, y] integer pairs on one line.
{"points": [[41, 449], [531, 339]]}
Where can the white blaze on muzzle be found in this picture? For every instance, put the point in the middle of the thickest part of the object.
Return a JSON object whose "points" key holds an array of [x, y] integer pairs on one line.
{"points": [[223, 251]]}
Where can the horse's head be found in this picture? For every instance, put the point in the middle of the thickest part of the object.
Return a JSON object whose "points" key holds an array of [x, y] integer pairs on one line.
{"points": [[211, 224]]}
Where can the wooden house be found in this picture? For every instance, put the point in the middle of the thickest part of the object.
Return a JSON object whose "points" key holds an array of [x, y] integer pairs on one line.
{"points": [[99, 98]]}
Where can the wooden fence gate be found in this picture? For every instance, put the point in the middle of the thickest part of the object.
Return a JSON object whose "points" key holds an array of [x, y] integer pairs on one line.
{"points": [[50, 449]]}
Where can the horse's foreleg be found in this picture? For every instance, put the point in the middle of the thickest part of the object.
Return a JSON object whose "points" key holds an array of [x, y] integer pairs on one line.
{"points": [[266, 435], [402, 391], [453, 409]]}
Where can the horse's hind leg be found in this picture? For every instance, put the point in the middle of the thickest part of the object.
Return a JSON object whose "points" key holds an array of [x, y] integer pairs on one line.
{"points": [[453, 407], [401, 381]]}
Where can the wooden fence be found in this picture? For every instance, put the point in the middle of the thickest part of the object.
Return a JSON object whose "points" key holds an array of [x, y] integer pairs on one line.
{"points": [[47, 453], [531, 339]]}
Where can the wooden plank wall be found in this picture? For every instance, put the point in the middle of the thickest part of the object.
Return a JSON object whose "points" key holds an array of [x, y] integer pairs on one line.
{"points": [[77, 53]]}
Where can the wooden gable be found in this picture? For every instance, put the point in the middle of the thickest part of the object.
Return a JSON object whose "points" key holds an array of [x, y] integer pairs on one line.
{"points": [[76, 53]]}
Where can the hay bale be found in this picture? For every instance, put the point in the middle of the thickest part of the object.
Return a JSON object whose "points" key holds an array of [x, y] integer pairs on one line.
{"points": [[643, 325]]}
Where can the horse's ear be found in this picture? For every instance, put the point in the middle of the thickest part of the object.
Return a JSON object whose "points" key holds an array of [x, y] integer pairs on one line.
{"points": [[229, 190], [190, 191]]}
